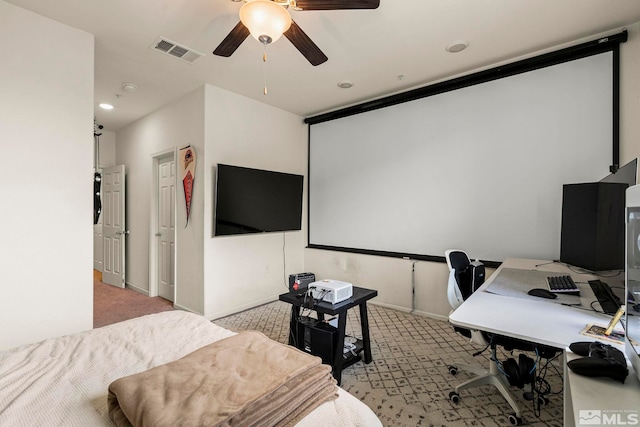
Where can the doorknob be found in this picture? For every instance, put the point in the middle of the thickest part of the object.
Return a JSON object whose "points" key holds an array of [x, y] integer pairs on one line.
{"points": [[158, 234], [123, 232]]}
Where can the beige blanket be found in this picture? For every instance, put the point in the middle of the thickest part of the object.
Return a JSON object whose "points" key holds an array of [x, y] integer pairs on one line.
{"points": [[246, 379]]}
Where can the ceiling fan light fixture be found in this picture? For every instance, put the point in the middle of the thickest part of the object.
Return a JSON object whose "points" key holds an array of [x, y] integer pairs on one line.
{"points": [[266, 20]]}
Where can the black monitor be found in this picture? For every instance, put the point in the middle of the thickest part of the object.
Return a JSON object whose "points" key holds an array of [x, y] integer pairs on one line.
{"points": [[593, 225]]}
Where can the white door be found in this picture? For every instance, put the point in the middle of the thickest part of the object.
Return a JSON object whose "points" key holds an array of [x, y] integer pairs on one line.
{"points": [[166, 227], [97, 246], [113, 225]]}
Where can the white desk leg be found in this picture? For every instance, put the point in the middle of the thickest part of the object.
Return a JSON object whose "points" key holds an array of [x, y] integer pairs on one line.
{"points": [[569, 419]]}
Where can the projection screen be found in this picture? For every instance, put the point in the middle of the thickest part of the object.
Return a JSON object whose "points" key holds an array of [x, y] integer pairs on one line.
{"points": [[479, 168]]}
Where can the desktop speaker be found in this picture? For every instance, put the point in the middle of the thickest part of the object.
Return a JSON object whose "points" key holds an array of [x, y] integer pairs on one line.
{"points": [[593, 225]]}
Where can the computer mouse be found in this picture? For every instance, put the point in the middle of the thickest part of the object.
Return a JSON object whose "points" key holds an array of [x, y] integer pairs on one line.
{"points": [[542, 293]]}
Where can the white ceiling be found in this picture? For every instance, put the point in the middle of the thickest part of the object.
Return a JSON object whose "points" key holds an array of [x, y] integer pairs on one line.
{"points": [[371, 48]]}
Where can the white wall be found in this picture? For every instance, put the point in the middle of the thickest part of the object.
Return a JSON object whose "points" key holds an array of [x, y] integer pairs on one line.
{"points": [[392, 276], [169, 128], [46, 170], [222, 275], [107, 150], [247, 270]]}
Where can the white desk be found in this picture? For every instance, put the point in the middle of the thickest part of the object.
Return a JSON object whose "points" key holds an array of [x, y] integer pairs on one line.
{"points": [[535, 319], [545, 322]]}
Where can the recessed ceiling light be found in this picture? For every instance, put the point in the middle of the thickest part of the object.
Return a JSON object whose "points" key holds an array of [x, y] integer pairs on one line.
{"points": [[457, 46], [105, 106], [129, 87], [346, 84]]}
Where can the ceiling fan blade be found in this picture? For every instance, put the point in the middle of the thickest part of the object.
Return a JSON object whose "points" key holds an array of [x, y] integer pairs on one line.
{"points": [[303, 43], [337, 4], [232, 41]]}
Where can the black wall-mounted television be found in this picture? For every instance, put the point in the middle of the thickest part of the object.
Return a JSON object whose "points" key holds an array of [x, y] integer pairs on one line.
{"points": [[256, 201]]}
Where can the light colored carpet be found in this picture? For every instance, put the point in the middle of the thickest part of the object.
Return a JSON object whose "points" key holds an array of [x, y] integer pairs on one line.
{"points": [[408, 382]]}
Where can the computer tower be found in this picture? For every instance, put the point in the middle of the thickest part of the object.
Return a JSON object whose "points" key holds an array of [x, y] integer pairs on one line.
{"points": [[593, 225], [315, 337]]}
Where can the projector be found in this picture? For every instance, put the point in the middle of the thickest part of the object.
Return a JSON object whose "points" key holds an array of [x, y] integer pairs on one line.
{"points": [[332, 291]]}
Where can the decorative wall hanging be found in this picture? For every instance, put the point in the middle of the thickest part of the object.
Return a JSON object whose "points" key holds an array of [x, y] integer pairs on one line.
{"points": [[187, 167]]}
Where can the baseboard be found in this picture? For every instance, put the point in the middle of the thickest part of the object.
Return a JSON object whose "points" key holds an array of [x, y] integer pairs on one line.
{"points": [[431, 315], [236, 310], [183, 308], [406, 310], [137, 289]]}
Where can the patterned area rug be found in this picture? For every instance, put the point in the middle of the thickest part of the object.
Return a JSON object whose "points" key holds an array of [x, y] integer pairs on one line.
{"points": [[408, 382]]}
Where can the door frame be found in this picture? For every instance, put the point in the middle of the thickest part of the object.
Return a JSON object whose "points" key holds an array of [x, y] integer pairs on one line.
{"points": [[153, 222]]}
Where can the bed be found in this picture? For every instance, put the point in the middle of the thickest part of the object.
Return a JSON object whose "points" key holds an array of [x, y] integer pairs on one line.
{"points": [[65, 381]]}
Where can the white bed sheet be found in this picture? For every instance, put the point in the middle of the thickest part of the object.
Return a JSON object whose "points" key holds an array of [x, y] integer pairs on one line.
{"points": [[63, 381]]}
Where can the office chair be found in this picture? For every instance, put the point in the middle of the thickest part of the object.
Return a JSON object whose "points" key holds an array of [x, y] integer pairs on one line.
{"points": [[464, 278]]}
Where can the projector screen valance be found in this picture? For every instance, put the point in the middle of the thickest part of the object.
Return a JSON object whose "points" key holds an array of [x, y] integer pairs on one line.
{"points": [[479, 167]]}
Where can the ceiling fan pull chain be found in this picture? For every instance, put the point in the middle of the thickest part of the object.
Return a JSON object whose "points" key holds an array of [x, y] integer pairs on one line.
{"points": [[264, 59]]}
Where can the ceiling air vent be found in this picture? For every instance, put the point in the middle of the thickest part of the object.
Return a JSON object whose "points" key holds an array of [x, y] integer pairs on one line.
{"points": [[168, 47]]}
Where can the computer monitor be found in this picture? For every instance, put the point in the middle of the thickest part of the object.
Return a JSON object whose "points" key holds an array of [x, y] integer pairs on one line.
{"points": [[632, 277]]}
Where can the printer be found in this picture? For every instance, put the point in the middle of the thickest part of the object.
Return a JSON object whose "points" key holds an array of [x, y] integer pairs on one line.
{"points": [[332, 291]]}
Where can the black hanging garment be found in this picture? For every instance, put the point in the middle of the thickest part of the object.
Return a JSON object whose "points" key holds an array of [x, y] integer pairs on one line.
{"points": [[97, 202]]}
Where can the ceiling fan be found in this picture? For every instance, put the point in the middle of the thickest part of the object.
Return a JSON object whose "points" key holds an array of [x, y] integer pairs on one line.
{"points": [[294, 33]]}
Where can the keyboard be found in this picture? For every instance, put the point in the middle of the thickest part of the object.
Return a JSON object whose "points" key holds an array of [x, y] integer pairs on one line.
{"points": [[563, 285], [609, 302]]}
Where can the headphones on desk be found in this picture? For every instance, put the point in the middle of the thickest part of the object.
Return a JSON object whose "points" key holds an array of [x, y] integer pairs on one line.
{"points": [[521, 372]]}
